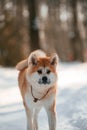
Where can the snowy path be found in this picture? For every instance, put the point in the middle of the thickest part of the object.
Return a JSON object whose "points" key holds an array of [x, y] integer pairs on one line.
{"points": [[71, 100]]}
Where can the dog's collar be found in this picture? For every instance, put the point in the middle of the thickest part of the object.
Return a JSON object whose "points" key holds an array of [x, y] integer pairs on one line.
{"points": [[38, 99]]}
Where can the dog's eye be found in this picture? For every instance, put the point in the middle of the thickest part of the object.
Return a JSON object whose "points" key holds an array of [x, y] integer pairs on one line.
{"points": [[48, 71], [39, 71]]}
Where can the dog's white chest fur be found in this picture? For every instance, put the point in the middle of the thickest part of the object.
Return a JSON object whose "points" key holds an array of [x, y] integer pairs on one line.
{"points": [[29, 100]]}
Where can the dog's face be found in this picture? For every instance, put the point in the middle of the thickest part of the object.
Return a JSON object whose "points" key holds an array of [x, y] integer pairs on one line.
{"points": [[41, 72]]}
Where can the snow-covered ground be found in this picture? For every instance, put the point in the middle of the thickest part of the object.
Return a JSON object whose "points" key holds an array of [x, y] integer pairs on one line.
{"points": [[71, 99]]}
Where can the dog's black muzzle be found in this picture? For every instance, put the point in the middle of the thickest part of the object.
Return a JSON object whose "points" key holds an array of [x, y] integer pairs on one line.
{"points": [[44, 80]]}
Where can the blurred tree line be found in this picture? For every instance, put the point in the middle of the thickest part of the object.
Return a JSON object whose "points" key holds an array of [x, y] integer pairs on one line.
{"points": [[52, 25]]}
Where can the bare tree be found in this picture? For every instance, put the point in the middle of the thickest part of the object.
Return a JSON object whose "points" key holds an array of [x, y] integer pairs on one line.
{"points": [[76, 43], [33, 25]]}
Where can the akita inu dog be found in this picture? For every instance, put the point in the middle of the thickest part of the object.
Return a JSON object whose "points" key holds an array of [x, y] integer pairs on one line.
{"points": [[37, 83]]}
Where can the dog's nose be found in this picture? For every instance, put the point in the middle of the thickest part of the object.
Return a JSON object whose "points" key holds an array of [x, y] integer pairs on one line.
{"points": [[44, 79]]}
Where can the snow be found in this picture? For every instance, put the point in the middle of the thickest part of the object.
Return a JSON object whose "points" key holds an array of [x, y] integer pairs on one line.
{"points": [[71, 99]]}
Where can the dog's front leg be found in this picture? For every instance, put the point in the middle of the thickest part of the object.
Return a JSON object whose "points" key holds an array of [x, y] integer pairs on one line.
{"points": [[29, 115], [35, 119], [51, 118]]}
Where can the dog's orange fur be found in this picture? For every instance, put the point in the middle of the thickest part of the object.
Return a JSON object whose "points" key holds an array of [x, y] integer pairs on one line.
{"points": [[43, 62], [25, 87], [22, 82]]}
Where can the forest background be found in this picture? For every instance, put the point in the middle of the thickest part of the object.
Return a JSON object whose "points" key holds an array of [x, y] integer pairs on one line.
{"points": [[52, 25]]}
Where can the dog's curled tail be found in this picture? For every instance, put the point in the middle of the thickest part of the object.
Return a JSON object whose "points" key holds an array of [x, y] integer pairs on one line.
{"points": [[21, 65]]}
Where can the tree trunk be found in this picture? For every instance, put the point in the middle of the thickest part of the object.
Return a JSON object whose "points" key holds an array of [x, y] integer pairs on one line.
{"points": [[33, 26], [76, 42]]}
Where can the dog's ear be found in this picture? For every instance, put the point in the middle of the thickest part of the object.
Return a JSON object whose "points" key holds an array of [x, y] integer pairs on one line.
{"points": [[33, 59], [21, 65], [54, 59]]}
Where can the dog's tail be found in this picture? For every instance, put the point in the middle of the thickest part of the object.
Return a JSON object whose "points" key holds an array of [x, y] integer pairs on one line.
{"points": [[21, 65]]}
